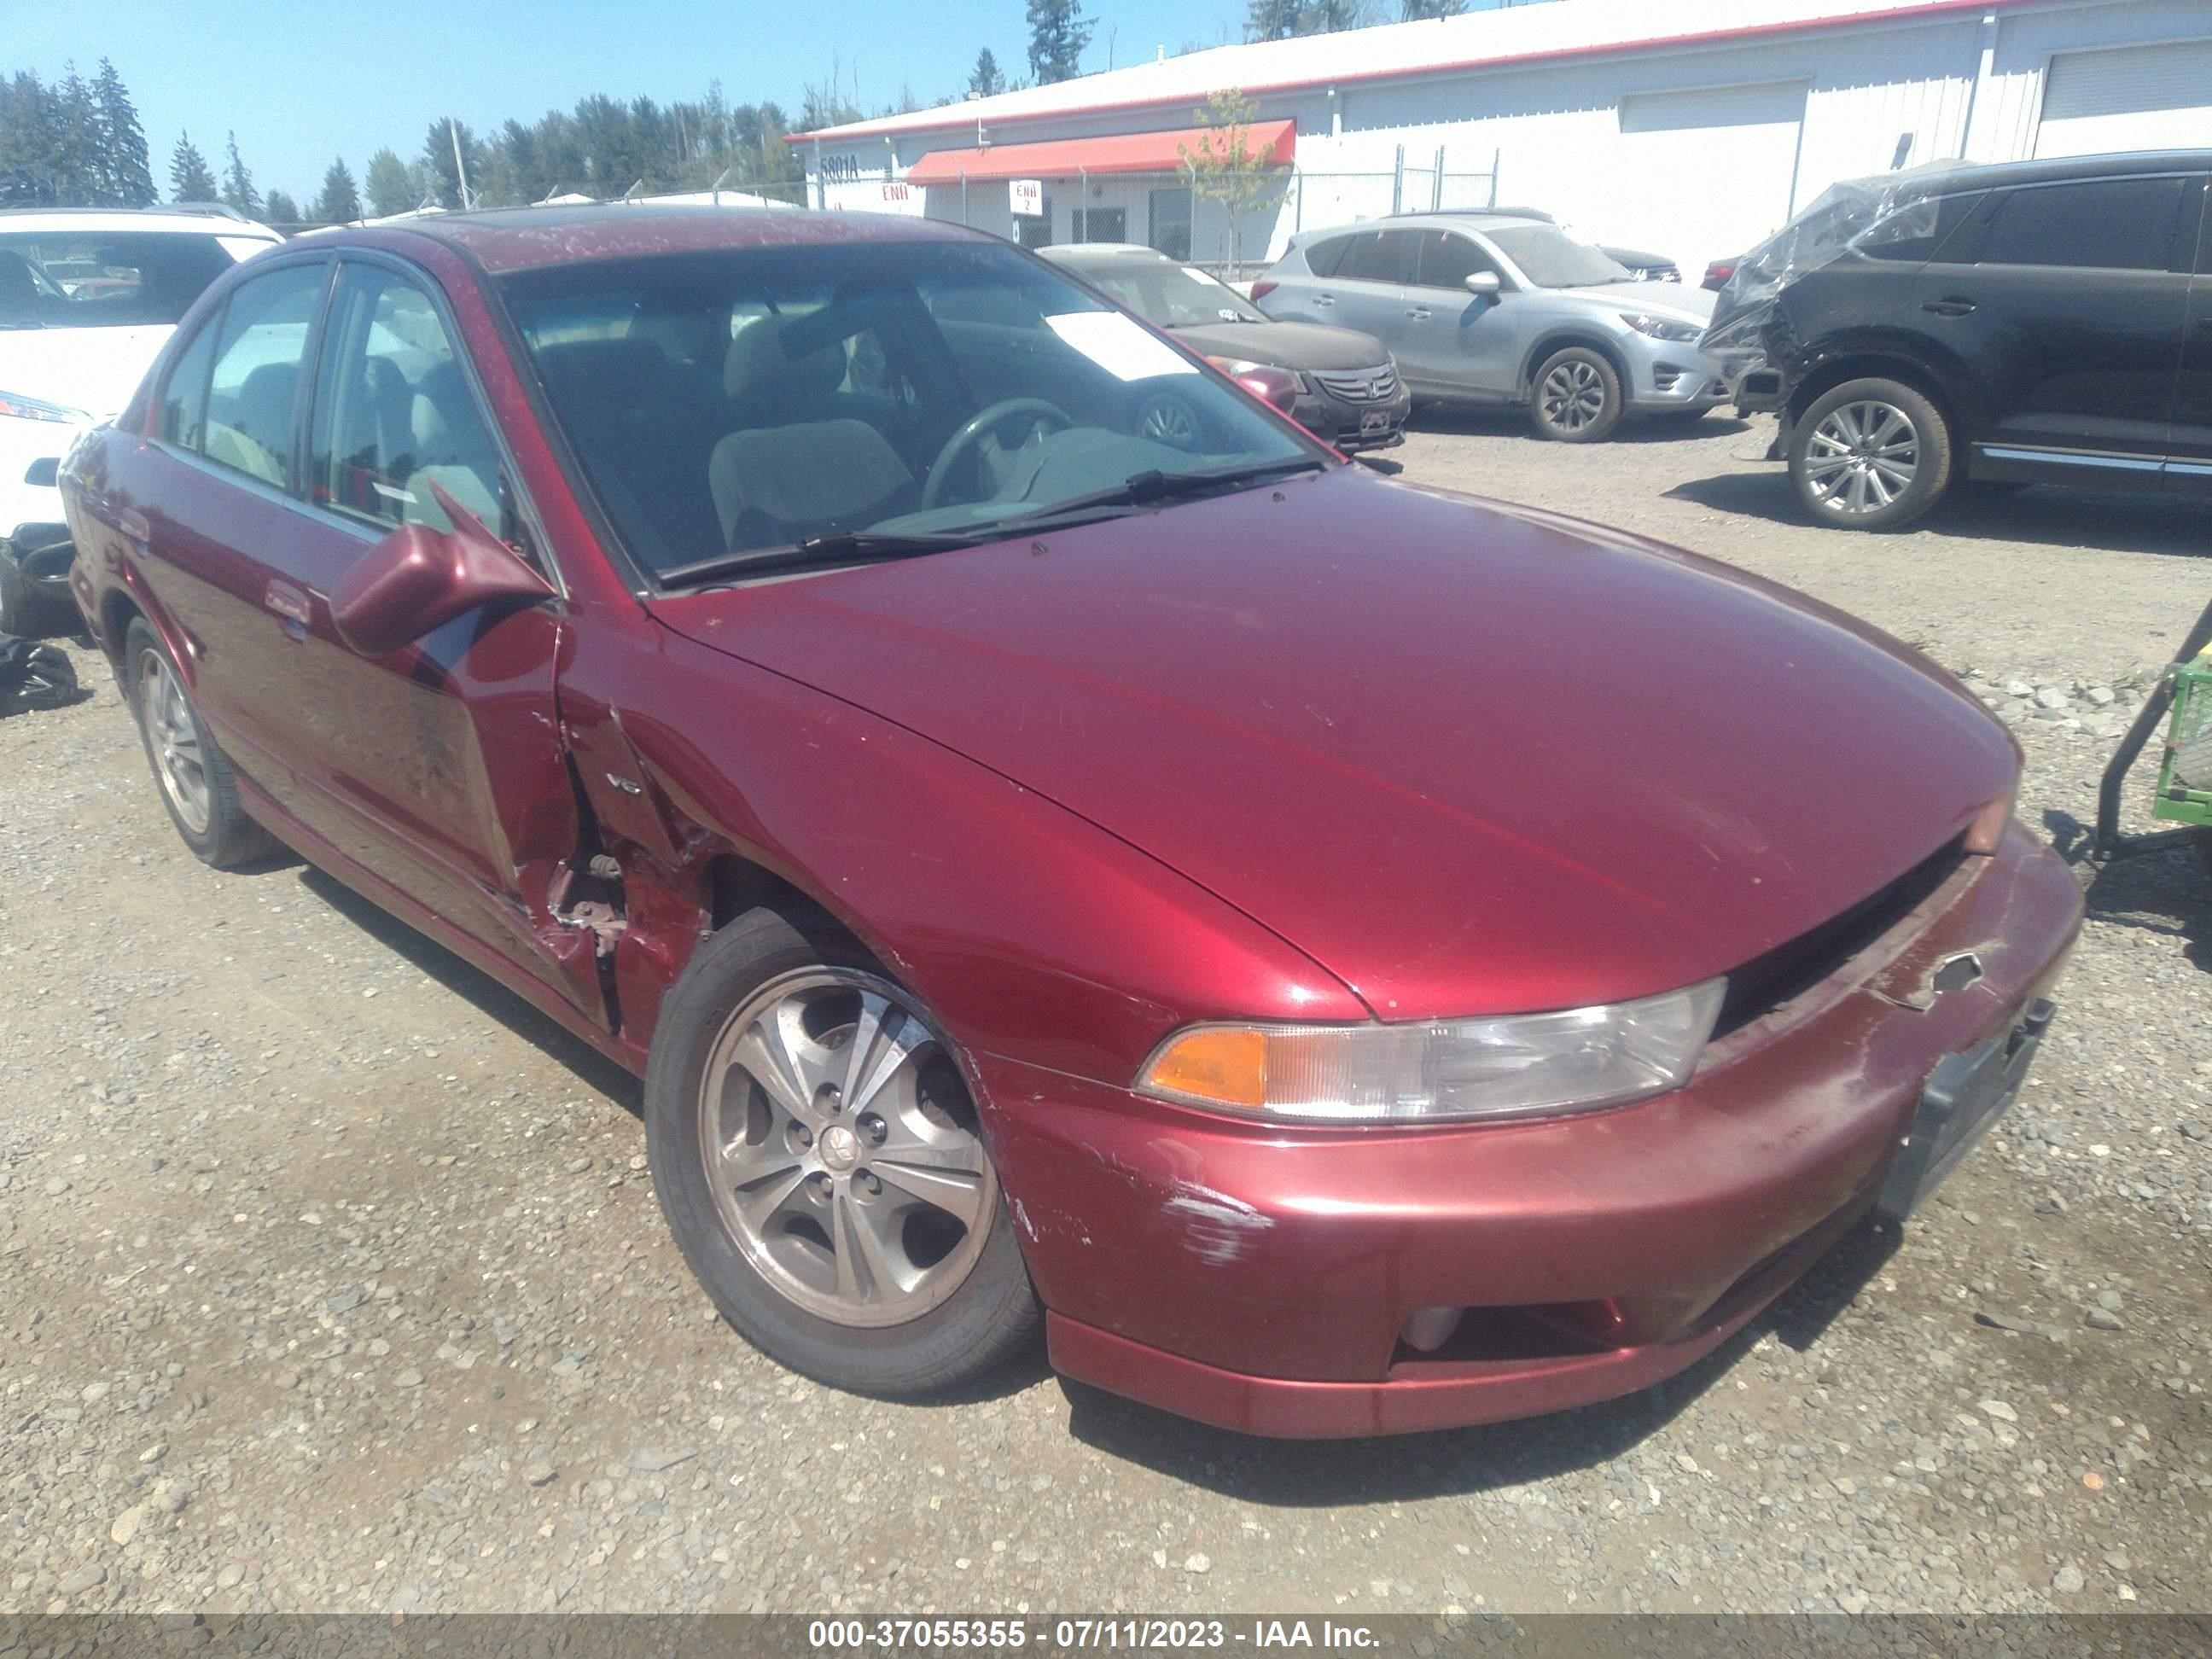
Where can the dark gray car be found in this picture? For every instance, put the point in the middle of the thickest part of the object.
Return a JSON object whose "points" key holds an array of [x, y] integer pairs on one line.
{"points": [[1349, 389]]}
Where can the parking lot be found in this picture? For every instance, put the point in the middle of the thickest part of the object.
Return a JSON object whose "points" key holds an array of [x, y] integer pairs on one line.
{"points": [[331, 1277]]}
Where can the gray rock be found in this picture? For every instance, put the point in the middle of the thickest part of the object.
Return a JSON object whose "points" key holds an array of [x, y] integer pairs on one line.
{"points": [[82, 1579], [2052, 696], [2068, 1580], [2104, 1319], [540, 1474]]}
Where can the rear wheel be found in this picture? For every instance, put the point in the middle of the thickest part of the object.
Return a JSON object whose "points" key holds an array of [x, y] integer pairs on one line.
{"points": [[1576, 398], [820, 1159], [1870, 454], [199, 787]]}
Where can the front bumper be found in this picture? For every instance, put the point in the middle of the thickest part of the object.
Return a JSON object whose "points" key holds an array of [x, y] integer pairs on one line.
{"points": [[1352, 425], [1260, 1279], [1665, 375]]}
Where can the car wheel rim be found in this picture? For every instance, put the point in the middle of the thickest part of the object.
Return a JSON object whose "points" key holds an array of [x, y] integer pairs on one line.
{"points": [[1860, 458], [1169, 420], [175, 739], [1573, 397], [841, 1146]]}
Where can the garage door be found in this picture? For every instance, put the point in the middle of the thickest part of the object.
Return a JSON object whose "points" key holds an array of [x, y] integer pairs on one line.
{"points": [[2128, 98], [1704, 174]]}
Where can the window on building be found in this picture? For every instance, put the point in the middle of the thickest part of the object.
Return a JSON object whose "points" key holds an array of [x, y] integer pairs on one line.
{"points": [[2117, 224], [1168, 228], [1382, 256], [1101, 224]]}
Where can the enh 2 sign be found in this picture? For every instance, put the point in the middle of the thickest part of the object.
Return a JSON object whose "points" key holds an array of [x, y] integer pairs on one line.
{"points": [[1026, 198]]}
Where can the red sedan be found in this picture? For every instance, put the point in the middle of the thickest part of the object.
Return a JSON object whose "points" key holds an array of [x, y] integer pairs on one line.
{"points": [[1347, 958]]}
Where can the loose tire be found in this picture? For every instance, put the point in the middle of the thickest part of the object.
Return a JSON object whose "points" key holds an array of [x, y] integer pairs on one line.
{"points": [[28, 613], [818, 1157], [197, 787], [1871, 454], [1576, 397]]}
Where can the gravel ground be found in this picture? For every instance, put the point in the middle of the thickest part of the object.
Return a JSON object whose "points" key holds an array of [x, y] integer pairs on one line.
{"points": [[331, 1278]]}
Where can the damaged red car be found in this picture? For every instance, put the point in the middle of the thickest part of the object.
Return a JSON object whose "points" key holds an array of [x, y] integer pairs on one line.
{"points": [[1343, 958]]}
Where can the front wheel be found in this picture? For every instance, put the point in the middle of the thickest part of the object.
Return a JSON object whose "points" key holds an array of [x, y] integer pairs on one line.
{"points": [[1870, 454], [1576, 397], [820, 1159]]}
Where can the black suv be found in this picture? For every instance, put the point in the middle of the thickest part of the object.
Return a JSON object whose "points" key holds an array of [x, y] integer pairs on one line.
{"points": [[2037, 322]]}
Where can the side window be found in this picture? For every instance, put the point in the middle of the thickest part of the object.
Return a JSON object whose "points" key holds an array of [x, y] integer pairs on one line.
{"points": [[1916, 232], [1382, 256], [1322, 258], [2116, 224], [256, 372], [184, 394], [1448, 259], [393, 411]]}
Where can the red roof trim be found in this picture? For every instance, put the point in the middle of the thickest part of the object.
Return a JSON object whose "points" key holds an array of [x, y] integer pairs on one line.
{"points": [[1413, 71], [1120, 151]]}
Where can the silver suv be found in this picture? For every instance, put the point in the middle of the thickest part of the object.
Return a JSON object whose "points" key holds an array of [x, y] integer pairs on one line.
{"points": [[1494, 308]]}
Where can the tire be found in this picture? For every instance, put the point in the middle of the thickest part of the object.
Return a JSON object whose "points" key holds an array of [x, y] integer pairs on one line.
{"points": [[1871, 454], [198, 788], [785, 1266], [1575, 397], [28, 613]]}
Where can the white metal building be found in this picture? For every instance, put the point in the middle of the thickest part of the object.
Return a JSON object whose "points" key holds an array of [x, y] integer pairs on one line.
{"points": [[1687, 127]]}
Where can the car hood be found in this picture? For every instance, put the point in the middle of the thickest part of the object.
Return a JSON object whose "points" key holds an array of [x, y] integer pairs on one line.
{"points": [[1286, 345], [93, 369], [1468, 757], [1683, 304]]}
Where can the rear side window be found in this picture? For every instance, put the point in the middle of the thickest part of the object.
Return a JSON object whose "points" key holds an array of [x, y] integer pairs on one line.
{"points": [[257, 370], [1382, 256], [394, 413], [1323, 257], [1914, 233], [2114, 224], [183, 397]]}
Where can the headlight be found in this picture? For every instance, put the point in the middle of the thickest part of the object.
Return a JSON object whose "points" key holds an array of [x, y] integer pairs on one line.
{"points": [[38, 409], [1660, 328], [1505, 1065]]}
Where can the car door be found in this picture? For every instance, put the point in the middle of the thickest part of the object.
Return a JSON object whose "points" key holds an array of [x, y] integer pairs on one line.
{"points": [[2065, 302], [213, 490], [2188, 468], [1369, 290], [1467, 342], [438, 768]]}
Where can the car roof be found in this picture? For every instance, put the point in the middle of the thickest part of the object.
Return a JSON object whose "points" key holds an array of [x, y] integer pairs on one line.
{"points": [[1075, 252], [1938, 178], [79, 222], [502, 239], [1481, 219]]}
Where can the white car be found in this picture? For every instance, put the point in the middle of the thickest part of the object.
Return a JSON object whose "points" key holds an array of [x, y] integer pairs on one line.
{"points": [[73, 347]]}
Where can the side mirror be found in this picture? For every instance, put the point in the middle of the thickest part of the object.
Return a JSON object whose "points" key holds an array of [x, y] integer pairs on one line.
{"points": [[1483, 283], [416, 579]]}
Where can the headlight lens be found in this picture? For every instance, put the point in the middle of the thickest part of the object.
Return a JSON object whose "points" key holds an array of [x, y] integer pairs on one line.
{"points": [[1505, 1066], [1660, 328], [38, 409]]}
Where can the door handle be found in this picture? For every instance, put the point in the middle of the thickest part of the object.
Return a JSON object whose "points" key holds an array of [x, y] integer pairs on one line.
{"points": [[1324, 299], [1417, 313], [1951, 305]]}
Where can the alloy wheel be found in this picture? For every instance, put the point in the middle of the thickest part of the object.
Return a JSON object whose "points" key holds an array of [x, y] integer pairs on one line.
{"points": [[841, 1146], [174, 738], [1862, 457], [1572, 398], [1169, 420]]}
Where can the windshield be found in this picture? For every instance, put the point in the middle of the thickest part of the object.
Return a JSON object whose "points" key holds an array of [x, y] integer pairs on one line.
{"points": [[54, 279], [1549, 258], [1173, 296], [765, 398]]}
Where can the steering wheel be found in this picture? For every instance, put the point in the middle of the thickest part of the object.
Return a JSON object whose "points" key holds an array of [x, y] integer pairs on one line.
{"points": [[983, 425]]}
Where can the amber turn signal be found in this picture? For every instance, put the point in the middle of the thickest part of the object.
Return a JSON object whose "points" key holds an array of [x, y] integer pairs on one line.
{"points": [[1224, 1064]]}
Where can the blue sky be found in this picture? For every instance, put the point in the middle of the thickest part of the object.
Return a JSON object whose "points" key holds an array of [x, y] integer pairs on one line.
{"points": [[301, 82]]}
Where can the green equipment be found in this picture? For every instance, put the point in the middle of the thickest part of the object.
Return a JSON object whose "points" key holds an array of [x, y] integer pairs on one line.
{"points": [[2182, 698]]}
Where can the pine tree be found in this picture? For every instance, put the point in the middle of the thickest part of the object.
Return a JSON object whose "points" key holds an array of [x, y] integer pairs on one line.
{"points": [[237, 184], [30, 142], [988, 81], [1058, 33], [281, 210], [79, 177], [340, 203], [390, 188], [124, 163], [189, 178], [445, 184], [1412, 11]]}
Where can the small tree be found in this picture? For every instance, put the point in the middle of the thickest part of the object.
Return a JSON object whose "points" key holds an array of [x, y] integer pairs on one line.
{"points": [[988, 81], [190, 178], [390, 187], [1224, 168], [340, 203], [237, 184], [281, 210], [1058, 33], [1413, 11]]}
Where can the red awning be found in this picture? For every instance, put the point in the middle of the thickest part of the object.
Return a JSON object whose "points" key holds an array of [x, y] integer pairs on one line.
{"points": [[1063, 158]]}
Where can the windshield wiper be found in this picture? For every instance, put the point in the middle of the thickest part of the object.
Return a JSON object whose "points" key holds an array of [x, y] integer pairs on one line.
{"points": [[1143, 488], [837, 547]]}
